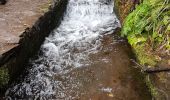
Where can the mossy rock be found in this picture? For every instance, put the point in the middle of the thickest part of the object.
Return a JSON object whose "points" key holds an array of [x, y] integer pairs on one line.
{"points": [[4, 77], [147, 30]]}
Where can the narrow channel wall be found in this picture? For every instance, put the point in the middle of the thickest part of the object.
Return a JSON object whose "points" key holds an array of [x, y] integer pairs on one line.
{"points": [[124, 7], [16, 59]]}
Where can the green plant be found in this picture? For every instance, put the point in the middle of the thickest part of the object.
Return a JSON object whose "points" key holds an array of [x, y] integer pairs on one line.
{"points": [[148, 27]]}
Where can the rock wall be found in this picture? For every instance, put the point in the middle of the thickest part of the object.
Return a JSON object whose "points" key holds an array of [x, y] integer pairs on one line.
{"points": [[124, 7], [14, 61]]}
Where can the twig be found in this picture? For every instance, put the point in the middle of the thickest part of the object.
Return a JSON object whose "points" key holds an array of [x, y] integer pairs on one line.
{"points": [[151, 70], [156, 70]]}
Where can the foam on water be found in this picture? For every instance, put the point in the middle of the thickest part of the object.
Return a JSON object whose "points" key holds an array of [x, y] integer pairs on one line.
{"points": [[68, 47]]}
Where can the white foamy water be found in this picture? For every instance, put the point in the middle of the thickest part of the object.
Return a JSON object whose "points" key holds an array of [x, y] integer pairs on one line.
{"points": [[68, 47]]}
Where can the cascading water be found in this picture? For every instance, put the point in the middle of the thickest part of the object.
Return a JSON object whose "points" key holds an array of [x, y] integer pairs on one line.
{"points": [[67, 48]]}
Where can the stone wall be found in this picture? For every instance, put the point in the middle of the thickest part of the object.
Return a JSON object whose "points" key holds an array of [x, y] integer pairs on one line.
{"points": [[124, 7], [16, 59]]}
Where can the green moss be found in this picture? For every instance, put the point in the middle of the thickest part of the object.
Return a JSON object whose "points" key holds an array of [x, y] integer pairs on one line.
{"points": [[143, 57], [4, 76], [147, 30], [152, 88], [45, 7]]}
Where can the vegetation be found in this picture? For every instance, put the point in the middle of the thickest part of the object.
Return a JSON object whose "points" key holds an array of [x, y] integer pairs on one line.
{"points": [[152, 88], [45, 7], [4, 76], [147, 29]]}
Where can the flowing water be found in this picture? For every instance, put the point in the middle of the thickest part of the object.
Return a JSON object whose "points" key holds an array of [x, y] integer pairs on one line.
{"points": [[80, 59]]}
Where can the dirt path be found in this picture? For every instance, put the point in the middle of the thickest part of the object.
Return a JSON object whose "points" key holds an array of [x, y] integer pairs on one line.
{"points": [[15, 16]]}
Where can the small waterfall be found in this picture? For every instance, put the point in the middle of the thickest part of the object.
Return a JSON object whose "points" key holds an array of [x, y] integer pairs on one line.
{"points": [[68, 47]]}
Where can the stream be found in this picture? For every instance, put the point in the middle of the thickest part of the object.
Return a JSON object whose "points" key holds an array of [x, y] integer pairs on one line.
{"points": [[82, 59]]}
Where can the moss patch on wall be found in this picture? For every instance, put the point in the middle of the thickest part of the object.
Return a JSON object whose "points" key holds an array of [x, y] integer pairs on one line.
{"points": [[124, 7], [4, 76], [147, 29]]}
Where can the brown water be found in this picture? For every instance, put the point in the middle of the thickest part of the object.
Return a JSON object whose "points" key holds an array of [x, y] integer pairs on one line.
{"points": [[110, 77], [114, 79], [83, 60]]}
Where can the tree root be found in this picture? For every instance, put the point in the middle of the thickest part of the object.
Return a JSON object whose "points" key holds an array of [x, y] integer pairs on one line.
{"points": [[156, 70], [151, 70]]}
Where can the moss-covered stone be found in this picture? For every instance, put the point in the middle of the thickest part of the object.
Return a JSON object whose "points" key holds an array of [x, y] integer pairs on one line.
{"points": [[45, 7], [4, 77], [151, 87], [124, 7], [145, 57], [147, 31]]}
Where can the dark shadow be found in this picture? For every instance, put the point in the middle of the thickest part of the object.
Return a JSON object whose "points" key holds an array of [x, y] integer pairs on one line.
{"points": [[3, 2]]}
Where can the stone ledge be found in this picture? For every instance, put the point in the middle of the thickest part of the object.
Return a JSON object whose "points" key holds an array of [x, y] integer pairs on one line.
{"points": [[17, 58]]}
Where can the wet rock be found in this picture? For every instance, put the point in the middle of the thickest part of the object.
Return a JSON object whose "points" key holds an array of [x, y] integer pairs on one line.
{"points": [[124, 7], [17, 58]]}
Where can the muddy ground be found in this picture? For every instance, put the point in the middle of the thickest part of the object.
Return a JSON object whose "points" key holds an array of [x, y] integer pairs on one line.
{"points": [[15, 16]]}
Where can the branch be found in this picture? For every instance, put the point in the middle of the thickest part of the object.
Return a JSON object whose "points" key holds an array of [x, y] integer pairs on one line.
{"points": [[156, 70], [151, 70]]}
